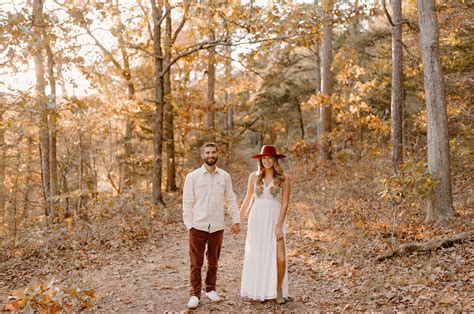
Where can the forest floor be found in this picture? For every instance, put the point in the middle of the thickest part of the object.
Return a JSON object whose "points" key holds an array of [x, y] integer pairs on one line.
{"points": [[131, 257]]}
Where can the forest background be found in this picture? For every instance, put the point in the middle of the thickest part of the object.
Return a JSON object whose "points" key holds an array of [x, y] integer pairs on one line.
{"points": [[105, 104]]}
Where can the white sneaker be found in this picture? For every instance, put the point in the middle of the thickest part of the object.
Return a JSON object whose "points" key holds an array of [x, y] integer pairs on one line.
{"points": [[193, 302], [213, 296]]}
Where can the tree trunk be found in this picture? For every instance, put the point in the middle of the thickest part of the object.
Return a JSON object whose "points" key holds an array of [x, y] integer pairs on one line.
{"points": [[81, 177], [168, 131], [228, 95], [128, 160], [326, 84], [211, 75], [29, 178], [128, 173], [38, 23], [397, 86], [300, 119], [159, 101], [3, 192], [53, 161], [127, 181], [317, 77], [65, 190], [440, 203], [211, 82], [356, 21]]}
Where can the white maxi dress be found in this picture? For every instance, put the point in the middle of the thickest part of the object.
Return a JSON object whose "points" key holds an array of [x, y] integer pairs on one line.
{"points": [[259, 274]]}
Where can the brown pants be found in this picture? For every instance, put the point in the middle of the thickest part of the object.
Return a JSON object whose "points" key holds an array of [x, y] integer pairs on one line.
{"points": [[197, 245]]}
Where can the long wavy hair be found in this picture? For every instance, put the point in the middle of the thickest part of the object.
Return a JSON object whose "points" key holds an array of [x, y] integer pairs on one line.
{"points": [[278, 178]]}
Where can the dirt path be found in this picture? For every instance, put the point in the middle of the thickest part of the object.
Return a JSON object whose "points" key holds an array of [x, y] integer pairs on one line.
{"points": [[158, 280]]}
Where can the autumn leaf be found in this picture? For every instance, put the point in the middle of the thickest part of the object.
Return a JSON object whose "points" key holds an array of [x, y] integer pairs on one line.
{"points": [[90, 293], [294, 253]]}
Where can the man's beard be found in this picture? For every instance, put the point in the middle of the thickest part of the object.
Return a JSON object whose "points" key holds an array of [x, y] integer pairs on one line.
{"points": [[210, 163]]}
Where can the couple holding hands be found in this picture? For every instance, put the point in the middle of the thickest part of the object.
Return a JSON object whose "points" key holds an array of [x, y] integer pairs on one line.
{"points": [[206, 191]]}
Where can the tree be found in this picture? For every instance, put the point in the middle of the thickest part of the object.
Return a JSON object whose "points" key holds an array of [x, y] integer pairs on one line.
{"points": [[168, 127], [227, 94], [53, 130], [211, 73], [38, 24], [317, 72], [397, 83], [440, 203], [326, 84], [159, 102]]}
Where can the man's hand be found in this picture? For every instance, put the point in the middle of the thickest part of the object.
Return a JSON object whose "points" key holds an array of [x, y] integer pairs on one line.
{"points": [[235, 229]]}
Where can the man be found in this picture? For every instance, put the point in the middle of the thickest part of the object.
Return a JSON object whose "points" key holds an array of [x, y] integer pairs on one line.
{"points": [[206, 191]]}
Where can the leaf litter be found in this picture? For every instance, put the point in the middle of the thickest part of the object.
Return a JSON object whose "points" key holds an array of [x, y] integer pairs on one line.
{"points": [[127, 257]]}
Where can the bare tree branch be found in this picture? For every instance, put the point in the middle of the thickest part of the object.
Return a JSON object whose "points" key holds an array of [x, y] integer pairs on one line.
{"points": [[243, 65], [145, 12], [389, 18], [181, 24], [107, 53], [248, 126]]}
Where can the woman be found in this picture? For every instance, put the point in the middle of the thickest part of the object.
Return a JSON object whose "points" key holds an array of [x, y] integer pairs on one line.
{"points": [[265, 272]]}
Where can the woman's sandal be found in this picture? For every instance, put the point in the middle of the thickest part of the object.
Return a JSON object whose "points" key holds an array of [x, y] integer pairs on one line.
{"points": [[280, 299]]}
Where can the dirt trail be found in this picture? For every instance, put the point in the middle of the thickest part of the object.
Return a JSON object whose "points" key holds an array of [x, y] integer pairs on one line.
{"points": [[158, 278]]}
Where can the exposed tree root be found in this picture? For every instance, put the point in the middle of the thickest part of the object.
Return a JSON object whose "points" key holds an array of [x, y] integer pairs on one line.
{"points": [[430, 245]]}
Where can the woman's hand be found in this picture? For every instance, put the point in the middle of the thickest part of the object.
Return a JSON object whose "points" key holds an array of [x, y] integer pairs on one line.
{"points": [[278, 233], [235, 229]]}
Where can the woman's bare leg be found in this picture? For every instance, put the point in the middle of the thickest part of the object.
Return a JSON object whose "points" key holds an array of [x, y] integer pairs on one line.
{"points": [[281, 267]]}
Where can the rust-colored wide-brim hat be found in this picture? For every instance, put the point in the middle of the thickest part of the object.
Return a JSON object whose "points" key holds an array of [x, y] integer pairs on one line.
{"points": [[268, 150]]}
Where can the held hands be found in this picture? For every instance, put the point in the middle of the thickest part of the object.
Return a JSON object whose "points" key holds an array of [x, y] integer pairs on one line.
{"points": [[235, 229], [279, 233]]}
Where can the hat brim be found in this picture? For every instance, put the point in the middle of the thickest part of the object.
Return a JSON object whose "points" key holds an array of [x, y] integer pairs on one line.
{"points": [[277, 156]]}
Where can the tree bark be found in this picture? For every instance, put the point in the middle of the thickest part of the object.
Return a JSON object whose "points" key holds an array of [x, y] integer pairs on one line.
{"points": [[228, 95], [127, 181], [38, 23], [80, 196], [317, 77], [326, 84], [300, 119], [168, 131], [53, 160], [397, 87], [159, 101], [29, 178], [211, 75], [128, 173], [440, 203], [128, 162]]}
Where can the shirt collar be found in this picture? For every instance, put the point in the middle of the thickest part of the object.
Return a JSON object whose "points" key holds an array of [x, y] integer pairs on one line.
{"points": [[204, 170]]}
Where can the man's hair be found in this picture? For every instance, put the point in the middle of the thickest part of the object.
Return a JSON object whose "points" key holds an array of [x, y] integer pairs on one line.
{"points": [[209, 144]]}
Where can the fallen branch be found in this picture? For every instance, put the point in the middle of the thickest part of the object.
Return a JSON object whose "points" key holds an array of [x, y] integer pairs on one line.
{"points": [[431, 245]]}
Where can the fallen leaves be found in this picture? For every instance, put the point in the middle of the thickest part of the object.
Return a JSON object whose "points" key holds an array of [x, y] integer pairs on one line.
{"points": [[334, 235], [49, 297]]}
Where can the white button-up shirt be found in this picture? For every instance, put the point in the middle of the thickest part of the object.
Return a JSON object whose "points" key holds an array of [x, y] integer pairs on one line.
{"points": [[204, 197]]}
